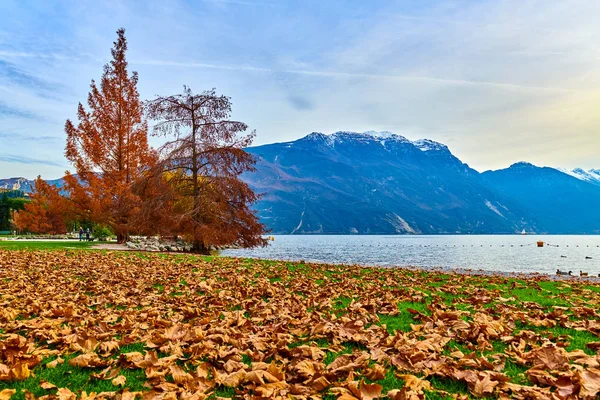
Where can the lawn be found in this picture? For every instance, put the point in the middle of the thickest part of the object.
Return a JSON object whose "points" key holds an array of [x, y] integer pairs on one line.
{"points": [[44, 245], [123, 325]]}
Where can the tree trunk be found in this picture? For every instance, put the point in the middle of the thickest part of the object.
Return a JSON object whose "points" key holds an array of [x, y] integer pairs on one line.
{"points": [[122, 237], [200, 248]]}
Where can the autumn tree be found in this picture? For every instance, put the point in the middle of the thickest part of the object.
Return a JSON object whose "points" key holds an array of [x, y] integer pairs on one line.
{"points": [[109, 147], [202, 161], [47, 212]]}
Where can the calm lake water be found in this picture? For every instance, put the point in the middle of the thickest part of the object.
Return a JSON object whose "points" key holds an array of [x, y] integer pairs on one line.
{"points": [[500, 253]]}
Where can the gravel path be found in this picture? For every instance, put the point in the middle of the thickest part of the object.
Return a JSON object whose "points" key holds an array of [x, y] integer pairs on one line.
{"points": [[111, 246]]}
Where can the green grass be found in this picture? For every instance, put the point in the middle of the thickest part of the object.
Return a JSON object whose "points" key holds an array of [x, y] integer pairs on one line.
{"points": [[342, 302], [539, 297], [447, 385], [44, 245], [349, 348], [390, 381], [577, 339], [75, 378], [404, 319], [223, 391], [516, 372], [593, 288]]}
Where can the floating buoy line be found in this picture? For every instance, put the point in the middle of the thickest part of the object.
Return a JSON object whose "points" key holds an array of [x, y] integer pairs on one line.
{"points": [[537, 244]]}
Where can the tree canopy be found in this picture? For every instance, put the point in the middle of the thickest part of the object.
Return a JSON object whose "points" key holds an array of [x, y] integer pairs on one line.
{"points": [[109, 146], [189, 187], [202, 160]]}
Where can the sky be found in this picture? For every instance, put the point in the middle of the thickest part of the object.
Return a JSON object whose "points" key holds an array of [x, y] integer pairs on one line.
{"points": [[498, 81]]}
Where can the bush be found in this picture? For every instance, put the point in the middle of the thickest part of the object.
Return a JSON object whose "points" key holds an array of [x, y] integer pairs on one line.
{"points": [[102, 233]]}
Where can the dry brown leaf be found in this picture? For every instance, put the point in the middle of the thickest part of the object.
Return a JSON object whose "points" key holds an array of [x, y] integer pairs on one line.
{"points": [[47, 385], [20, 372], [179, 375], [234, 379], [270, 390], [53, 364], [65, 394], [320, 384], [376, 372], [415, 384], [306, 368], [370, 391], [127, 395], [119, 380], [202, 370], [88, 360], [590, 383], [549, 357], [260, 377], [484, 387], [6, 394]]}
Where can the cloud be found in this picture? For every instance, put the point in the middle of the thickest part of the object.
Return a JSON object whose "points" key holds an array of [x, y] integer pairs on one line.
{"points": [[242, 2], [8, 111], [12, 158], [501, 79], [29, 138], [344, 74], [11, 74], [27, 54], [301, 103]]}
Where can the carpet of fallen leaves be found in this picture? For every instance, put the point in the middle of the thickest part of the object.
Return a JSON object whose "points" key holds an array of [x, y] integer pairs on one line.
{"points": [[206, 327]]}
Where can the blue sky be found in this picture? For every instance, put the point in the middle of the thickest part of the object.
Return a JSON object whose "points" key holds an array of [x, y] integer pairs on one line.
{"points": [[498, 81]]}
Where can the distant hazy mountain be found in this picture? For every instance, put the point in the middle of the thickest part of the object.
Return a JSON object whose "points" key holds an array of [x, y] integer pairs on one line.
{"points": [[25, 185], [22, 184], [380, 182], [561, 202]]}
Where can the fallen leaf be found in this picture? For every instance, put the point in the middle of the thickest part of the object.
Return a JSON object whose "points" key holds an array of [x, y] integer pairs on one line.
{"points": [[20, 372], [54, 364], [119, 380], [88, 360], [65, 394], [6, 394], [47, 385]]}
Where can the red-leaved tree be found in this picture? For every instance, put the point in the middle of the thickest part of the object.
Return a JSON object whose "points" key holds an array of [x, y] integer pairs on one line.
{"points": [[202, 162], [46, 212], [109, 147]]}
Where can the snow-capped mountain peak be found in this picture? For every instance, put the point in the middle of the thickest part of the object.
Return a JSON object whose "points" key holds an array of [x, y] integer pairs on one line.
{"points": [[382, 134], [591, 176], [429, 145], [383, 137]]}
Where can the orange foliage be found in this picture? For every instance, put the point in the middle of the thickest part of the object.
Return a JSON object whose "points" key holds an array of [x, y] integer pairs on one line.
{"points": [[46, 212], [202, 162], [109, 147]]}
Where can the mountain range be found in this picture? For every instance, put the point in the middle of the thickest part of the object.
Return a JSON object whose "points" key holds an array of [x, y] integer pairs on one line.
{"points": [[383, 183], [26, 185]]}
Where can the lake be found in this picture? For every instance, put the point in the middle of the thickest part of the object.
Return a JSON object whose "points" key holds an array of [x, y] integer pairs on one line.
{"points": [[498, 253]]}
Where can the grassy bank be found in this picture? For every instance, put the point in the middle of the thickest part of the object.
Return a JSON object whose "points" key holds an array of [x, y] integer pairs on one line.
{"points": [[44, 244], [126, 324]]}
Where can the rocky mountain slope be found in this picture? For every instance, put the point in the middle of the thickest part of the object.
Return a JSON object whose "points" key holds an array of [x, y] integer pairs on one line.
{"points": [[376, 183]]}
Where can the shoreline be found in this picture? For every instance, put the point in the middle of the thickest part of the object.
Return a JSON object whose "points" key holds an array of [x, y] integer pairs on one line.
{"points": [[113, 246]]}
